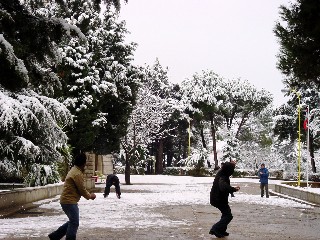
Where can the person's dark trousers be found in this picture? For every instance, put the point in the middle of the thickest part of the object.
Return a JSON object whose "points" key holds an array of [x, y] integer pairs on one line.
{"points": [[70, 228], [264, 186], [117, 186], [226, 217], [107, 188]]}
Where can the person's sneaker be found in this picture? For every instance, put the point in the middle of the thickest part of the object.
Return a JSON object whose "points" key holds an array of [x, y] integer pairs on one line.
{"points": [[226, 234], [118, 196], [216, 233]]}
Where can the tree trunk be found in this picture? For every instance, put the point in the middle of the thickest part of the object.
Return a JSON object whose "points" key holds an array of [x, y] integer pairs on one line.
{"points": [[159, 158], [243, 120], [127, 170], [169, 158], [204, 145], [214, 144]]}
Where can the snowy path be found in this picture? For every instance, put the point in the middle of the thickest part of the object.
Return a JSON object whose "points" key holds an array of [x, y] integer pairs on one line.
{"points": [[138, 208]]}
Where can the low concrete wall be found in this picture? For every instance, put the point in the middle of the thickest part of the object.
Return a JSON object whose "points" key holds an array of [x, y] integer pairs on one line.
{"points": [[299, 193], [22, 196]]}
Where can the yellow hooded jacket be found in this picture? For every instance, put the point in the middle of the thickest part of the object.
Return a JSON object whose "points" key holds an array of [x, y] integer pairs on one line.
{"points": [[73, 187]]}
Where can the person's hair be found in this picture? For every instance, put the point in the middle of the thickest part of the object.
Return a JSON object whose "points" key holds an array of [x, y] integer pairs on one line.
{"points": [[80, 160], [262, 164]]}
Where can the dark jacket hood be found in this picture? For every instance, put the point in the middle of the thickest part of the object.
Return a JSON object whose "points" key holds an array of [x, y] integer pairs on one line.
{"points": [[227, 169]]}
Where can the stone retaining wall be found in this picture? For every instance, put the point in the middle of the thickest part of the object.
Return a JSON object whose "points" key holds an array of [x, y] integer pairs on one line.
{"points": [[299, 193], [22, 196]]}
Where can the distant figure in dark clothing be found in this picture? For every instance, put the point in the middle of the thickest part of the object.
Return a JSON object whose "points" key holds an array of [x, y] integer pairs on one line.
{"points": [[219, 198], [112, 180]]}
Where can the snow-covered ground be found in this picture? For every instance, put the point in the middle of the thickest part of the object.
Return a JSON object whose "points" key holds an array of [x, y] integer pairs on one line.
{"points": [[135, 208]]}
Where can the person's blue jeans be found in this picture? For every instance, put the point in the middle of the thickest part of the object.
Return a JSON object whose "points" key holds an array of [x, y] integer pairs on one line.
{"points": [[70, 228], [226, 217]]}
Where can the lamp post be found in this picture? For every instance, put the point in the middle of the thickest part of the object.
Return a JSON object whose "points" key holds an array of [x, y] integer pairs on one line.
{"points": [[299, 130]]}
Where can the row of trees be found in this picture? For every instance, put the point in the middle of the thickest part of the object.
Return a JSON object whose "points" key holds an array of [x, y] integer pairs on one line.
{"points": [[67, 84]]}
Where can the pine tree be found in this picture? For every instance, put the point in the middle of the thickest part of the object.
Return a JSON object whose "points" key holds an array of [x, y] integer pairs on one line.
{"points": [[99, 82], [299, 37], [32, 121]]}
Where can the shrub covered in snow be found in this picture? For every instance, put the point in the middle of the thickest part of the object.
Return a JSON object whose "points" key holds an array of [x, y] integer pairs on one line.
{"points": [[10, 171], [42, 175], [133, 170]]}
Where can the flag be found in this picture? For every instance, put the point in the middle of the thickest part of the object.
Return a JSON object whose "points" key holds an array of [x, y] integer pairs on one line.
{"points": [[305, 124], [306, 121]]}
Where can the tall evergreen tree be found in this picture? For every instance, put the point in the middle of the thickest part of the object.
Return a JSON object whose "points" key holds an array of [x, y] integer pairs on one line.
{"points": [[32, 121], [299, 37], [99, 78], [299, 57]]}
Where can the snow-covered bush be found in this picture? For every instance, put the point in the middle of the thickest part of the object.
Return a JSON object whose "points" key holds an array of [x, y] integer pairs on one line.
{"points": [[10, 171], [239, 173], [196, 159], [133, 170], [175, 171], [278, 174], [41, 175], [315, 177]]}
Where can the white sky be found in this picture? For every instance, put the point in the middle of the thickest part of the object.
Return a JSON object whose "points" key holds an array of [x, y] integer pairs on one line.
{"points": [[233, 38], [135, 208]]}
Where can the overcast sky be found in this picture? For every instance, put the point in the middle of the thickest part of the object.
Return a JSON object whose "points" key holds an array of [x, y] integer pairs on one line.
{"points": [[233, 38]]}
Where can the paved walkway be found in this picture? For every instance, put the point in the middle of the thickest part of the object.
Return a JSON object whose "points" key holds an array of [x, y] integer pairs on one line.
{"points": [[251, 221]]}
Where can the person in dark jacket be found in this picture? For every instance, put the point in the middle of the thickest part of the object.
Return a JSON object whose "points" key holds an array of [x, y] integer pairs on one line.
{"points": [[263, 174], [112, 180], [219, 198]]}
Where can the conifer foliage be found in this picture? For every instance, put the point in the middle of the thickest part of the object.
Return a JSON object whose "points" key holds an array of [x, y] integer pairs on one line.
{"points": [[31, 129]]}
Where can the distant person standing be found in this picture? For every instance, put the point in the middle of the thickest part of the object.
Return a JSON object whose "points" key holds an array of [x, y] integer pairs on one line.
{"points": [[73, 189], [112, 180], [263, 174], [219, 198]]}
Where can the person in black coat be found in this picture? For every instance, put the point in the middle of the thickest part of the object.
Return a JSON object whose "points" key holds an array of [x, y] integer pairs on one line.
{"points": [[112, 180], [219, 198]]}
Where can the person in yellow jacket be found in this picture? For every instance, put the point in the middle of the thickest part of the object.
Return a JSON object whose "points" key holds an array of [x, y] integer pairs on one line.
{"points": [[73, 189]]}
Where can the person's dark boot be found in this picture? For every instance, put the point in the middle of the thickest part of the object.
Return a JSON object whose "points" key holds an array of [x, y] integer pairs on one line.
{"points": [[226, 234], [216, 233], [51, 236]]}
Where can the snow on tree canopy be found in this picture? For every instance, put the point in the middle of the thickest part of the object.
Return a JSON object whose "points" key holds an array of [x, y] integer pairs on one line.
{"points": [[6, 49]]}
